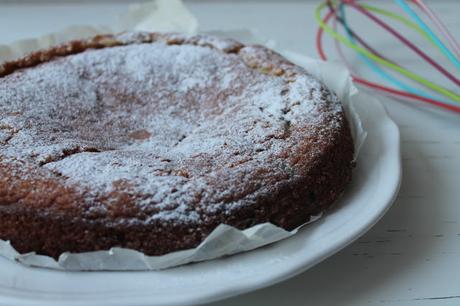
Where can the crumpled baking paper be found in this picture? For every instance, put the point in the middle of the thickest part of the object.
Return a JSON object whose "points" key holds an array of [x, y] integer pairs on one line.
{"points": [[172, 15]]}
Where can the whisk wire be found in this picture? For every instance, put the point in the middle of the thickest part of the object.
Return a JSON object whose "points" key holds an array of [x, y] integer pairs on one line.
{"points": [[427, 30], [374, 67], [381, 61], [405, 41], [373, 59], [440, 26]]}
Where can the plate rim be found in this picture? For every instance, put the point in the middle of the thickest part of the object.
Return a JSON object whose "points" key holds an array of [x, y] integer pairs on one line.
{"points": [[238, 288], [301, 267]]}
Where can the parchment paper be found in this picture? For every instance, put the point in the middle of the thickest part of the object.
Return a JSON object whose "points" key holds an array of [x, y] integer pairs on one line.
{"points": [[172, 15]]}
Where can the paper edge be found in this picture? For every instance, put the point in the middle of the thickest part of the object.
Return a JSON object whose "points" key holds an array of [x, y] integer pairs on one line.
{"points": [[132, 259]]}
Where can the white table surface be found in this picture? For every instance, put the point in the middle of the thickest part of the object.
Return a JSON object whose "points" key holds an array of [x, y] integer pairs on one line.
{"points": [[412, 256]]}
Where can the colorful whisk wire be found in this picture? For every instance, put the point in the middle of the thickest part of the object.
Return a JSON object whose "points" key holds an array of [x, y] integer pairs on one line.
{"points": [[432, 93]]}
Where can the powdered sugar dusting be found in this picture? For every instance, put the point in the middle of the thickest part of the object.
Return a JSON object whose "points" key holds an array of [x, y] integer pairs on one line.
{"points": [[163, 121]]}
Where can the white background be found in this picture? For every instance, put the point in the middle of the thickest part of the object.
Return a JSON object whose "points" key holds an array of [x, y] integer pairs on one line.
{"points": [[412, 256]]}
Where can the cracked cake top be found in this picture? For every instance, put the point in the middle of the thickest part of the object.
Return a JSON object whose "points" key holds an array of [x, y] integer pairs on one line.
{"points": [[144, 127]]}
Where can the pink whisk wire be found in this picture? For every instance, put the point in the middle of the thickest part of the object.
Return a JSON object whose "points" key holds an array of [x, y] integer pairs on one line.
{"points": [[377, 20], [440, 26], [355, 35], [376, 86]]}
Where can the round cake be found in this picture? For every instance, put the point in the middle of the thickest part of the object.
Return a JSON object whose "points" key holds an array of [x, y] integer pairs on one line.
{"points": [[149, 141]]}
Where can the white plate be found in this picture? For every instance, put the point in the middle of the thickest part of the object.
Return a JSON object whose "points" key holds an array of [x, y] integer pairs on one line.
{"points": [[374, 187]]}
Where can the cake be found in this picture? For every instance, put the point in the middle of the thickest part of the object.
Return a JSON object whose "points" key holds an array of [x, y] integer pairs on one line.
{"points": [[149, 141]]}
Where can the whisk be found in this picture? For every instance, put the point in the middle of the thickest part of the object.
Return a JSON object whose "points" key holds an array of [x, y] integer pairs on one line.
{"points": [[402, 80]]}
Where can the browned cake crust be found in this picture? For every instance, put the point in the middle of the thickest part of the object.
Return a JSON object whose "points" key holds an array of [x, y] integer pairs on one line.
{"points": [[149, 141]]}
